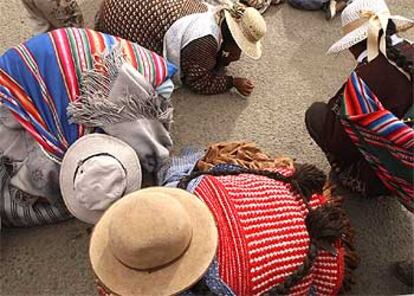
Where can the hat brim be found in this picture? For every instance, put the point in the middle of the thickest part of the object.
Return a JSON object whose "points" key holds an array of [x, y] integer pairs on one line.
{"points": [[361, 33], [251, 49], [85, 147], [170, 279]]}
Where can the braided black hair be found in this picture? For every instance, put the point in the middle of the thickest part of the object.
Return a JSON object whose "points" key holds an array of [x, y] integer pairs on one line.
{"points": [[284, 287], [325, 224], [306, 181], [394, 54]]}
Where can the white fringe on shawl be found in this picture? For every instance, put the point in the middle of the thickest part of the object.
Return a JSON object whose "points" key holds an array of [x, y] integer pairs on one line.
{"points": [[95, 108]]}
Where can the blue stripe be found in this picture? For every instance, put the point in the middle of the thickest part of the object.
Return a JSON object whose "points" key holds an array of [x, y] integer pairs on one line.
{"points": [[380, 121], [109, 41], [392, 128], [360, 99], [371, 104], [22, 113], [47, 60], [17, 69], [172, 69], [42, 51]]}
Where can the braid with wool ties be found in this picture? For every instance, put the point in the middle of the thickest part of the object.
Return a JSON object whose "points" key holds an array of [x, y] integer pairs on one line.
{"points": [[325, 224]]}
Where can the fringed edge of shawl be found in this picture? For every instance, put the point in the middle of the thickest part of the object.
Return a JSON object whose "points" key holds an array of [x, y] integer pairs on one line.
{"points": [[93, 108], [351, 258], [98, 110]]}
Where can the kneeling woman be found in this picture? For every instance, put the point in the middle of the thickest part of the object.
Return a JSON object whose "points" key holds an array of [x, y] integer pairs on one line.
{"points": [[59, 87], [365, 129], [237, 230], [199, 41]]}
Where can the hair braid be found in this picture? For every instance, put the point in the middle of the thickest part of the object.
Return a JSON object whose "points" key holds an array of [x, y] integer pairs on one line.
{"points": [[306, 181], [302, 271], [394, 54]]}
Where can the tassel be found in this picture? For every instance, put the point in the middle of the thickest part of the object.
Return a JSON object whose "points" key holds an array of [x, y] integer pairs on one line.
{"points": [[351, 259], [326, 225], [308, 179]]}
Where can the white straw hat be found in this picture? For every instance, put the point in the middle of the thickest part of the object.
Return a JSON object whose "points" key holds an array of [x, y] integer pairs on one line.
{"points": [[96, 171], [155, 241], [363, 19], [248, 27]]}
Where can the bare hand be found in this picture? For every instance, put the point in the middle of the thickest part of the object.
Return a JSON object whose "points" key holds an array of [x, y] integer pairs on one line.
{"points": [[243, 85]]}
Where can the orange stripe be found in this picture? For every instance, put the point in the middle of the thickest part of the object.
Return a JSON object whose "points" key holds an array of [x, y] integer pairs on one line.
{"points": [[100, 42], [91, 41], [21, 96], [129, 52]]}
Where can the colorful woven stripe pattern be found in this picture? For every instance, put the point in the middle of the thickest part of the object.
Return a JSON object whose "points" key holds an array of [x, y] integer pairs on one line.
{"points": [[39, 78], [386, 142], [263, 237]]}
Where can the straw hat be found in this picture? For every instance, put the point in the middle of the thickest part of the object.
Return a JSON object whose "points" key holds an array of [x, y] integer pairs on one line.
{"points": [[364, 19], [96, 171], [156, 241], [248, 27]]}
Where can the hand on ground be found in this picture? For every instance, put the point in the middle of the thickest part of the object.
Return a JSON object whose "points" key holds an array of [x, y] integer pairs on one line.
{"points": [[243, 85]]}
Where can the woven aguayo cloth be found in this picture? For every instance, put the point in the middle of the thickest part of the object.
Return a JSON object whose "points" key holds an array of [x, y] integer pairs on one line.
{"points": [[386, 142], [40, 78]]}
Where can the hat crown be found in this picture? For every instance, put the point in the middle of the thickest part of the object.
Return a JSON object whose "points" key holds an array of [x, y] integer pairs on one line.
{"points": [[99, 181], [353, 11], [149, 231], [253, 24]]}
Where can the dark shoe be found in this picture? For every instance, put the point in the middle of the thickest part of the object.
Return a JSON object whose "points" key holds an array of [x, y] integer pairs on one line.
{"points": [[404, 271]]}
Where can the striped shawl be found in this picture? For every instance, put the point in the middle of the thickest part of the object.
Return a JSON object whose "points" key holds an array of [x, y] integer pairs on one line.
{"points": [[385, 141], [40, 78]]}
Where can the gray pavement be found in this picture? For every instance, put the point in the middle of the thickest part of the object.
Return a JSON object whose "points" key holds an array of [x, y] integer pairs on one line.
{"points": [[293, 73]]}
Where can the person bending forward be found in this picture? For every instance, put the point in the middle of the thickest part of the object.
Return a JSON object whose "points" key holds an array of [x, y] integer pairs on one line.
{"points": [[199, 39]]}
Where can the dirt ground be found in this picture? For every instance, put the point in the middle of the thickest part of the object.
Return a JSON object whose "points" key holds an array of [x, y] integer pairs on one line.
{"points": [[293, 73]]}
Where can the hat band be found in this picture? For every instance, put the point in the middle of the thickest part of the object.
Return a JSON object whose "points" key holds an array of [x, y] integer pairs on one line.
{"points": [[376, 21], [354, 25], [148, 269], [80, 162], [366, 16]]}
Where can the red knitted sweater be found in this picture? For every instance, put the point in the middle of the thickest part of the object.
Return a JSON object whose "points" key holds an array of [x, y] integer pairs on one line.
{"points": [[263, 236]]}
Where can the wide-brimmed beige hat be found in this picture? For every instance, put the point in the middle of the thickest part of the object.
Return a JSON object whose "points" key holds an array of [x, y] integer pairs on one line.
{"points": [[364, 19], [156, 241], [96, 171], [248, 27]]}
